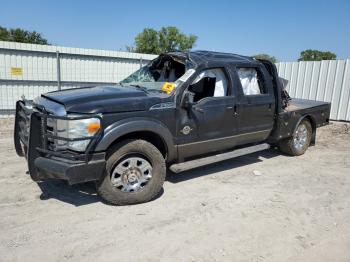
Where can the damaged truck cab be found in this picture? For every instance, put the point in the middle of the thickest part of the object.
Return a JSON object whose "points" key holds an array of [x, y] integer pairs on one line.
{"points": [[182, 110]]}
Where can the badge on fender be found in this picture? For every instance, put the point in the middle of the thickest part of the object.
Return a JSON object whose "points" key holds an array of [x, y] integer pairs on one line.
{"points": [[186, 130]]}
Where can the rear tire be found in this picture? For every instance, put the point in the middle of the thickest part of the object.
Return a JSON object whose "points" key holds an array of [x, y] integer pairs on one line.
{"points": [[135, 173], [299, 142]]}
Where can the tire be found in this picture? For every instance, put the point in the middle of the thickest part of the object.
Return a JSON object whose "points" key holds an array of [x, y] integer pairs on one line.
{"points": [[294, 145], [135, 173]]}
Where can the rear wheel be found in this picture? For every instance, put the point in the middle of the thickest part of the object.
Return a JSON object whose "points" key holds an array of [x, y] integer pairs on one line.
{"points": [[299, 142], [135, 173]]}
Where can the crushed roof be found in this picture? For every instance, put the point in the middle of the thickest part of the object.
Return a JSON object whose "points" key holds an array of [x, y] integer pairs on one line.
{"points": [[208, 56]]}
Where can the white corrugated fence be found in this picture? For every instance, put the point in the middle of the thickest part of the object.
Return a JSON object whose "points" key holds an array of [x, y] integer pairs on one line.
{"points": [[327, 80], [27, 69]]}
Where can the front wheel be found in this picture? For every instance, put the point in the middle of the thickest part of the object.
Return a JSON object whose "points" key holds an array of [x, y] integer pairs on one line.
{"points": [[299, 142], [135, 173]]}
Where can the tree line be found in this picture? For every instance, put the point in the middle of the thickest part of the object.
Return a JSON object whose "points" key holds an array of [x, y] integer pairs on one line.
{"points": [[151, 41], [22, 36]]}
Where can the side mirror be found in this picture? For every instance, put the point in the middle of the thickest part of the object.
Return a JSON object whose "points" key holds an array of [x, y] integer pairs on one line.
{"points": [[187, 100]]}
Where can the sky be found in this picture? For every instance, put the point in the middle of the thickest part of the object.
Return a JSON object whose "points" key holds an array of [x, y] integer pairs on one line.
{"points": [[279, 28]]}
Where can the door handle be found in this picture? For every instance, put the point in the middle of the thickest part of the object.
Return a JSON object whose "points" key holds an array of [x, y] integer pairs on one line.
{"points": [[198, 109], [234, 109], [235, 113]]}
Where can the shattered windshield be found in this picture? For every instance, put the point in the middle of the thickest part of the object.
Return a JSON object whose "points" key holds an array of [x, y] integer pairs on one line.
{"points": [[163, 74], [144, 74]]}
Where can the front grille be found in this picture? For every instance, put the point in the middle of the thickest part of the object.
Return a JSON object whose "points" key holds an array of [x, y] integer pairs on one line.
{"points": [[42, 133], [50, 129]]}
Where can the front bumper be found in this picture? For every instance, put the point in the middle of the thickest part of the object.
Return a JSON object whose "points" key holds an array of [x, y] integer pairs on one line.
{"points": [[31, 140], [72, 171]]}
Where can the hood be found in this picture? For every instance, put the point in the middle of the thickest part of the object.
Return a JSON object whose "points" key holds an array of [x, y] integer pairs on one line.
{"points": [[102, 99]]}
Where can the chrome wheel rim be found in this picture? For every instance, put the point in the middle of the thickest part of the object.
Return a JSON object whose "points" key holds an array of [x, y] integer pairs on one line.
{"points": [[131, 174], [300, 137]]}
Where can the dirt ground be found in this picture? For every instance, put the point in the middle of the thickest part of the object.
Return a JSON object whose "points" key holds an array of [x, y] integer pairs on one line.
{"points": [[292, 209]]}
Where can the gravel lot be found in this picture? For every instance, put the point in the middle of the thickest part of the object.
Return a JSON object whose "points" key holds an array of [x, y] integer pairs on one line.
{"points": [[298, 209]]}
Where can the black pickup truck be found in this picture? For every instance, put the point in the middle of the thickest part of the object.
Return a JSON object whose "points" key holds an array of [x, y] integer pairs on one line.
{"points": [[180, 111]]}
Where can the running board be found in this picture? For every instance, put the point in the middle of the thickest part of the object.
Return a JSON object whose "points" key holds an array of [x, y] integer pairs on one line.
{"points": [[177, 168]]}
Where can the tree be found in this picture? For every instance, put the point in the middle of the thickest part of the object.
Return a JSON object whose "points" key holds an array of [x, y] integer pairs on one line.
{"points": [[22, 36], [4, 34], [316, 55], [266, 57], [167, 39], [148, 42]]}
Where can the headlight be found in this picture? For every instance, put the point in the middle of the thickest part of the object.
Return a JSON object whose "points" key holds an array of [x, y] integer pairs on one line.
{"points": [[78, 129]]}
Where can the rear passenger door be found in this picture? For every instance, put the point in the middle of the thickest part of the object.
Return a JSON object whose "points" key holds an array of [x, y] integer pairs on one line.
{"points": [[255, 103]]}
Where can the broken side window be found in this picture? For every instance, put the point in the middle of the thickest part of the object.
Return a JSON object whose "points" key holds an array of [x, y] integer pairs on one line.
{"points": [[209, 83]]}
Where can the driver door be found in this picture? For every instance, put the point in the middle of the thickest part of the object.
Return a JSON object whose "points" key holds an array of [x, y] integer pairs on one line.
{"points": [[209, 124]]}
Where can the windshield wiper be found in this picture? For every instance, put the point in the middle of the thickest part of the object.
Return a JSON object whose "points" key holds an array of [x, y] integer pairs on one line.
{"points": [[156, 90], [140, 87], [128, 84], [147, 90]]}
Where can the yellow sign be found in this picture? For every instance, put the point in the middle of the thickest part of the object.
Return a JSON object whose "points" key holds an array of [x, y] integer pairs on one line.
{"points": [[16, 71], [168, 87]]}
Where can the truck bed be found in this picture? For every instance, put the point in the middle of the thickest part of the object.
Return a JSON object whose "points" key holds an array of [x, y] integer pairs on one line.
{"points": [[298, 109], [304, 104]]}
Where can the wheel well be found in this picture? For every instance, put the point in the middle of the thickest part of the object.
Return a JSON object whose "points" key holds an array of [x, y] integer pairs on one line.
{"points": [[313, 125], [312, 122], [148, 136]]}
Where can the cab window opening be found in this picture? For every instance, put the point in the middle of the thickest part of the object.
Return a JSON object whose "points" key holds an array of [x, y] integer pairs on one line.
{"points": [[209, 83]]}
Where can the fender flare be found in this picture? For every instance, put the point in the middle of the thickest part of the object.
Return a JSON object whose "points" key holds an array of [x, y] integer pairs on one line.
{"points": [[312, 121], [130, 125]]}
